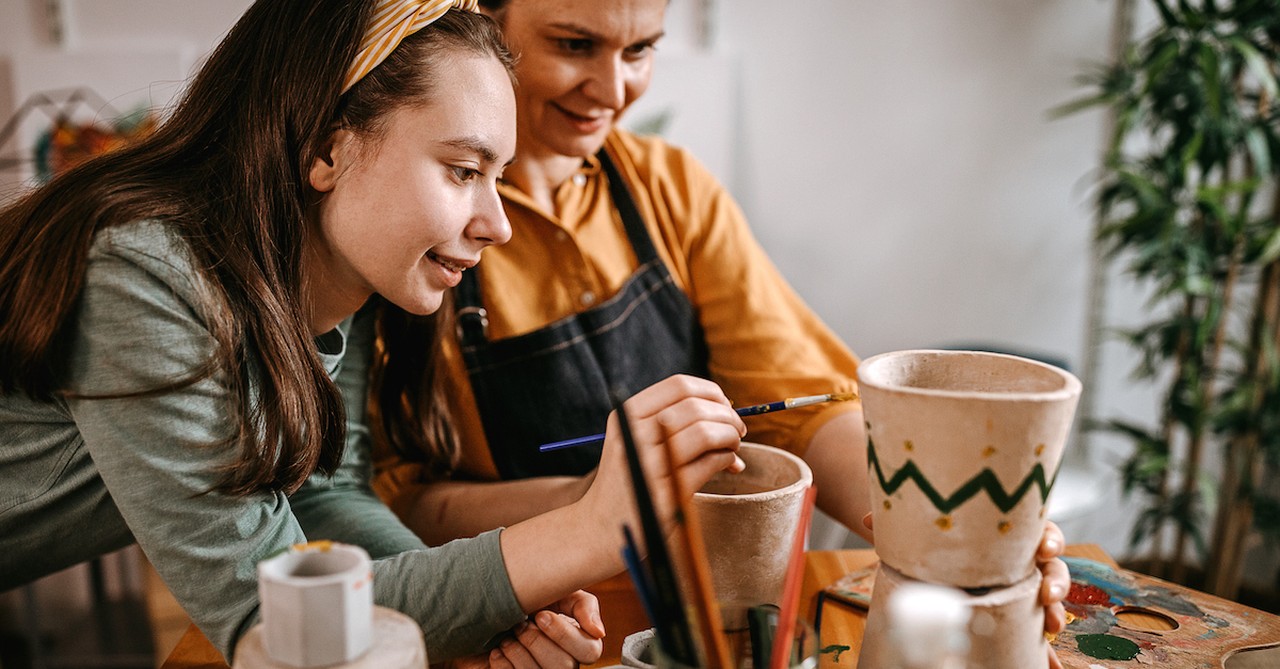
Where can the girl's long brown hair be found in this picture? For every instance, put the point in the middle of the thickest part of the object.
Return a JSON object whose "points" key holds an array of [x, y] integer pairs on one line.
{"points": [[228, 173]]}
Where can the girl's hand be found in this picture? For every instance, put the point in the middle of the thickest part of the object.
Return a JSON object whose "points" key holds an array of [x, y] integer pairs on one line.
{"points": [[704, 433], [561, 636]]}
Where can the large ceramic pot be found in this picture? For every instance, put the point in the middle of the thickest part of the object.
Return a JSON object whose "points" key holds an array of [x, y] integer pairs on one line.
{"points": [[963, 450]]}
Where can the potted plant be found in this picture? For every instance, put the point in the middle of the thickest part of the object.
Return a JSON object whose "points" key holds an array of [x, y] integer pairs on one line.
{"points": [[1188, 201]]}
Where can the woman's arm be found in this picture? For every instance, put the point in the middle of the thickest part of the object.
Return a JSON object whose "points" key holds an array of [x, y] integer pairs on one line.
{"points": [[445, 510]]}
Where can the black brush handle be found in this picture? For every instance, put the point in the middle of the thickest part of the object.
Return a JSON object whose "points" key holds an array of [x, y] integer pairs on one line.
{"points": [[672, 626]]}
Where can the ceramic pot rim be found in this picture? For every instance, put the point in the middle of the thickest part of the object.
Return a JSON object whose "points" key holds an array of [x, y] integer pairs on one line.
{"points": [[869, 378], [804, 480], [342, 559]]}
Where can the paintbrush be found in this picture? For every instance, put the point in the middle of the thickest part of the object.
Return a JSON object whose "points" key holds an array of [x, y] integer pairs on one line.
{"points": [[672, 625], [644, 584], [790, 606], [706, 608], [754, 410]]}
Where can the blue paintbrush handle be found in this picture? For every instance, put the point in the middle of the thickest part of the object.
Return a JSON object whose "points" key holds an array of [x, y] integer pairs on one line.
{"points": [[763, 408], [557, 445], [595, 438], [754, 410]]}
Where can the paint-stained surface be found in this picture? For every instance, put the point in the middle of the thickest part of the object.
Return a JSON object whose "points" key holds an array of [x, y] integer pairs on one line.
{"points": [[1208, 628]]}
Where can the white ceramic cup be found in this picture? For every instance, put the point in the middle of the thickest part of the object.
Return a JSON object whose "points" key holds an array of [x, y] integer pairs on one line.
{"points": [[749, 521], [963, 449], [316, 604]]}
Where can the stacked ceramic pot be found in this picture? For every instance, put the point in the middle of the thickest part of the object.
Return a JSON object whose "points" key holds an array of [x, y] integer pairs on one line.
{"points": [[963, 448]]}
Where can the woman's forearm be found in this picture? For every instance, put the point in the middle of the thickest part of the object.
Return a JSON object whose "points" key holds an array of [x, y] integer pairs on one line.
{"points": [[837, 454], [447, 510]]}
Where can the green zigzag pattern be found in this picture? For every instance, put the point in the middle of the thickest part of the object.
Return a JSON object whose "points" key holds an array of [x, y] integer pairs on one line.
{"points": [[985, 480]]}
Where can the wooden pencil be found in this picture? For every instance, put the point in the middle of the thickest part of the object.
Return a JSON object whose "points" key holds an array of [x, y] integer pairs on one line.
{"points": [[706, 607], [790, 605]]}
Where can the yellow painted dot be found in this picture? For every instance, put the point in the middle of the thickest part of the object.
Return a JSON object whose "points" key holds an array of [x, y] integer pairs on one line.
{"points": [[988, 451], [943, 522], [908, 445], [887, 505], [1004, 526], [1039, 449]]}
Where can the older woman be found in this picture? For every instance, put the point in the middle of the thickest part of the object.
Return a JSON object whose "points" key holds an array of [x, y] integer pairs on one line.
{"points": [[629, 262]]}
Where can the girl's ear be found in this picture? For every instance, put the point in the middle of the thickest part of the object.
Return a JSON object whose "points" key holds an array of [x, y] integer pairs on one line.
{"points": [[335, 157]]}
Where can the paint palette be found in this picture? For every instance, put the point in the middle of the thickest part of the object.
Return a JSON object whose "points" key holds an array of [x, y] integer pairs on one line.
{"points": [[1104, 603], [854, 588]]}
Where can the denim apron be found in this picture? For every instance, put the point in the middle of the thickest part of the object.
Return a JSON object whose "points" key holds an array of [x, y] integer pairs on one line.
{"points": [[556, 383]]}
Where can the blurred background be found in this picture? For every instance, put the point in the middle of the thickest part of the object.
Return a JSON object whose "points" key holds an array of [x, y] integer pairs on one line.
{"points": [[900, 161]]}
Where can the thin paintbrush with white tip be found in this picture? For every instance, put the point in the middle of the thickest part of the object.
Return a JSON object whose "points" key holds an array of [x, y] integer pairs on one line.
{"points": [[754, 410]]}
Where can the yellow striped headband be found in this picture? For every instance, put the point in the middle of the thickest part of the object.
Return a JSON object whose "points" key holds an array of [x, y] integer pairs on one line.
{"points": [[394, 20]]}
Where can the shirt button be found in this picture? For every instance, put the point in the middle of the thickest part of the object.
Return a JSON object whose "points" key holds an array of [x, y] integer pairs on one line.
{"points": [[588, 298], [579, 179]]}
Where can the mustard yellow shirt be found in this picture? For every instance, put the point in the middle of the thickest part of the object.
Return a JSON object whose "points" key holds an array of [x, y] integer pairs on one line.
{"points": [[765, 344]]}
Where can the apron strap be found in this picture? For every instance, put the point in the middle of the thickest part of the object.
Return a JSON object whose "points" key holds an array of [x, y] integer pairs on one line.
{"points": [[641, 243]]}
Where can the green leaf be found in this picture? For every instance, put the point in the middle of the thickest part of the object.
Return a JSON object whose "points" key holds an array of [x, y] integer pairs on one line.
{"points": [[1212, 82], [1271, 250], [1080, 104], [1166, 14], [1256, 138], [1259, 66]]}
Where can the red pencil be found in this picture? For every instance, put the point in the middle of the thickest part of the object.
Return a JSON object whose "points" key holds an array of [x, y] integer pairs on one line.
{"points": [[790, 606]]}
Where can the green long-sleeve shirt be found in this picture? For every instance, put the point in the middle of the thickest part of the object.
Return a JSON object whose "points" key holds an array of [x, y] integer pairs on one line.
{"points": [[82, 477]]}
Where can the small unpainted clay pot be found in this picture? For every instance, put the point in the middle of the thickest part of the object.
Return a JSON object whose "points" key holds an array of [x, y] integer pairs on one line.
{"points": [[397, 644], [749, 521], [316, 604], [1006, 625], [963, 449]]}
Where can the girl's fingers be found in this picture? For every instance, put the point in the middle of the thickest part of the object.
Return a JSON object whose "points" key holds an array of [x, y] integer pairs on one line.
{"points": [[695, 474], [690, 413], [584, 608], [563, 636], [499, 661], [516, 651], [671, 390]]}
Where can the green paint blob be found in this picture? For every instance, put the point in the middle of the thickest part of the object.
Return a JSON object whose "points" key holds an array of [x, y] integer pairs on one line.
{"points": [[1107, 647], [835, 651]]}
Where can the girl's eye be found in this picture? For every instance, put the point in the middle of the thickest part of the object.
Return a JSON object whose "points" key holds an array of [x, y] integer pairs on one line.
{"points": [[575, 45], [463, 174]]}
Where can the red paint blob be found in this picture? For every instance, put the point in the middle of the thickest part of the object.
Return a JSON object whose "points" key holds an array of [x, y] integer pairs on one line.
{"points": [[1082, 593]]}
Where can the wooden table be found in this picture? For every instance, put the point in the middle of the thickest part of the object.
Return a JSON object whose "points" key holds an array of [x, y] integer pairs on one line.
{"points": [[840, 625]]}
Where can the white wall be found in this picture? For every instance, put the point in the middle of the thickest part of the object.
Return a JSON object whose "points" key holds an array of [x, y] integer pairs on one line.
{"points": [[897, 159]]}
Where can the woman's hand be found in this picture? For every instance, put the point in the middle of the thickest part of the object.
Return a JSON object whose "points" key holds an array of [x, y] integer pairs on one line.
{"points": [[700, 425], [1056, 583]]}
